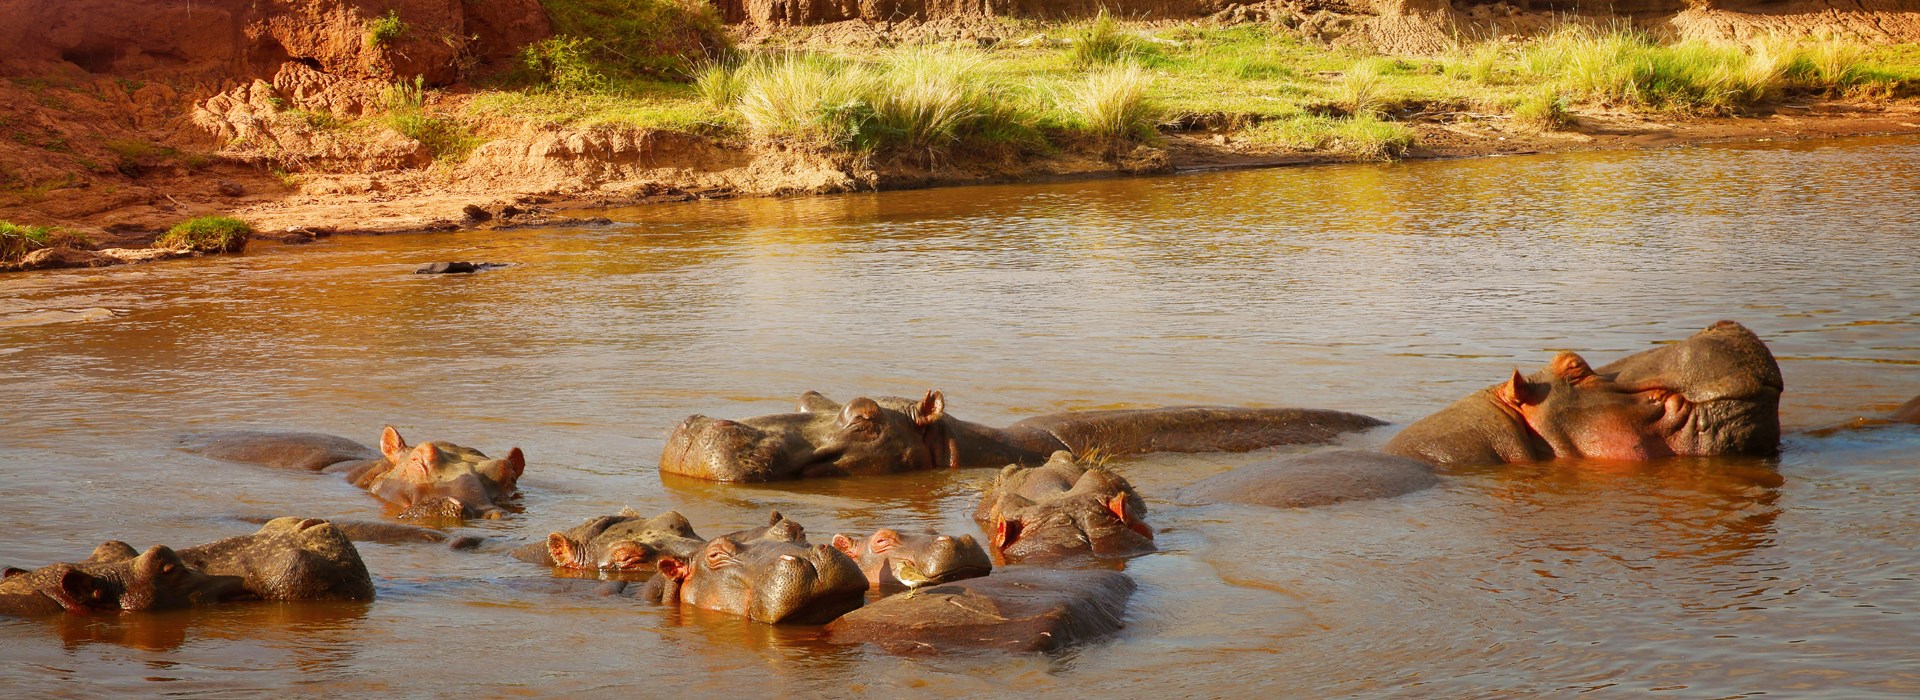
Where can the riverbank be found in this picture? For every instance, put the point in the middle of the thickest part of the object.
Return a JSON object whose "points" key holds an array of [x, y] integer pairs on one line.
{"points": [[858, 105]]}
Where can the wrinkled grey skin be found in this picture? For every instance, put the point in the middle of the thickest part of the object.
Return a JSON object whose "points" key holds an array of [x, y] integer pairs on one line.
{"points": [[1715, 393], [1318, 479], [1063, 508], [890, 434], [289, 559], [768, 574], [434, 481], [114, 578], [940, 558], [626, 542]]}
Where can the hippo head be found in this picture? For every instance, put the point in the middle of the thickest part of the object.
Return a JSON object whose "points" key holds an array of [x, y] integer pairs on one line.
{"points": [[1716, 393], [436, 478], [822, 438], [289, 559], [772, 577], [936, 558], [1062, 508], [624, 542]]}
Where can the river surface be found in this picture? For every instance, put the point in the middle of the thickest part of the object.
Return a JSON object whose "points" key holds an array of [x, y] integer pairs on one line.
{"points": [[1389, 290]]}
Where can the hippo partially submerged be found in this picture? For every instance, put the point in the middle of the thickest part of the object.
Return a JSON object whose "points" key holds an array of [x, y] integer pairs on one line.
{"points": [[1715, 393], [769, 574], [114, 578], [1021, 609], [289, 559], [892, 558], [878, 436], [434, 480], [1063, 508], [627, 542]]}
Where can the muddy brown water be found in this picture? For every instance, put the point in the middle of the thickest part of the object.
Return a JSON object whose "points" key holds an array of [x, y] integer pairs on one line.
{"points": [[1383, 289]]}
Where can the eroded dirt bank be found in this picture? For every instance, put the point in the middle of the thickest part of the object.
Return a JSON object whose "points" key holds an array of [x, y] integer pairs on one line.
{"points": [[127, 117]]}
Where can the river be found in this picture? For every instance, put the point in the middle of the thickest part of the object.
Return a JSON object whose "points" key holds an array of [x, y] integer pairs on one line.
{"points": [[1389, 290]]}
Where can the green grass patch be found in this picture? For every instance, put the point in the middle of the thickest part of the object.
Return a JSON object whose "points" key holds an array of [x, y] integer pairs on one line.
{"points": [[1116, 103], [448, 138], [1103, 41], [207, 234], [17, 240]]}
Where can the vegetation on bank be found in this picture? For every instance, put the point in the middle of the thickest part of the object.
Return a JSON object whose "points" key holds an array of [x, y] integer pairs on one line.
{"points": [[667, 64], [17, 240], [207, 234]]}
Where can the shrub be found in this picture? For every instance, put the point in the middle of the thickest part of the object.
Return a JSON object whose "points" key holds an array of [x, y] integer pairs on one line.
{"points": [[928, 98], [1114, 103], [446, 138], [1104, 42], [207, 234], [636, 38], [564, 63], [385, 29]]}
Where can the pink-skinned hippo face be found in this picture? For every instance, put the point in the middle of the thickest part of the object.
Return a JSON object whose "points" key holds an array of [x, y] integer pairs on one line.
{"points": [[1715, 393], [934, 558], [770, 575], [822, 438], [438, 479]]}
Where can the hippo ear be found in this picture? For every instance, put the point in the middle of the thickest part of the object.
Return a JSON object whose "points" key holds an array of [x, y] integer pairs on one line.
{"points": [[1118, 506], [930, 409], [111, 551], [514, 465], [1517, 391], [74, 589], [629, 512], [774, 517], [883, 541], [673, 568], [157, 561], [392, 445], [1571, 366], [814, 402], [847, 545], [1005, 533], [564, 552]]}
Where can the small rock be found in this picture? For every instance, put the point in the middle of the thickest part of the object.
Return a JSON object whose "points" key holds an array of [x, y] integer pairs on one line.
{"points": [[230, 188], [63, 257], [510, 211], [475, 213]]}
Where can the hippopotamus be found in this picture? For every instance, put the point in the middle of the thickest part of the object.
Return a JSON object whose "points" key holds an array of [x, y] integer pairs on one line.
{"points": [[626, 542], [1063, 508], [1716, 393], [434, 480], [768, 574], [1021, 609], [289, 559], [892, 434], [892, 558], [114, 578]]}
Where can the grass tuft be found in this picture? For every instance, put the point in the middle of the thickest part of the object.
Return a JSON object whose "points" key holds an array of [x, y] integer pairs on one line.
{"points": [[1363, 89], [1104, 42], [1116, 103], [207, 234], [447, 138], [17, 240], [564, 63], [807, 100], [1546, 109]]}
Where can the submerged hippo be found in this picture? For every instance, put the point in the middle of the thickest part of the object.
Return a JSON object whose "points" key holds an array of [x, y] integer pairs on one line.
{"points": [[1062, 508], [114, 578], [1021, 609], [289, 559], [1716, 393], [890, 434], [433, 480], [1908, 412], [626, 542], [768, 574], [891, 558]]}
